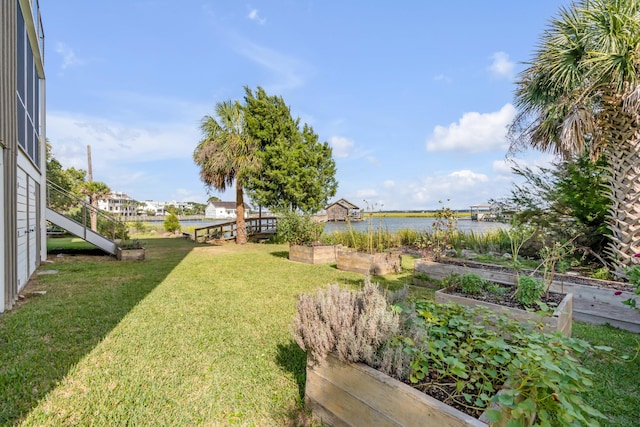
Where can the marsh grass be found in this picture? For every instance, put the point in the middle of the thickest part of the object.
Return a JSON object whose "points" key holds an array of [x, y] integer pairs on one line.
{"points": [[196, 335]]}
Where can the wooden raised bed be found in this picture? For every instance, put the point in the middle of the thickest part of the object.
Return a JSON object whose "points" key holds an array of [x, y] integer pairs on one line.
{"points": [[560, 321], [596, 303], [130, 254], [354, 394], [324, 254], [378, 264]]}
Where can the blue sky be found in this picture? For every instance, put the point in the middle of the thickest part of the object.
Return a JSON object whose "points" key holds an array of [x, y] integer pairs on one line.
{"points": [[413, 96]]}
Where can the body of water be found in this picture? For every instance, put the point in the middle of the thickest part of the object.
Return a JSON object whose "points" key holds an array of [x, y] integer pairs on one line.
{"points": [[391, 224]]}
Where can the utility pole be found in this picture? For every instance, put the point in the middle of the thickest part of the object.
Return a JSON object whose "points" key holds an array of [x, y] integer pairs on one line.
{"points": [[89, 169]]}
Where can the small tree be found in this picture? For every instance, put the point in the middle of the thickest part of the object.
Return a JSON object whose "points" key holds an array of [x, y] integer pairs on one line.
{"points": [[171, 223]]}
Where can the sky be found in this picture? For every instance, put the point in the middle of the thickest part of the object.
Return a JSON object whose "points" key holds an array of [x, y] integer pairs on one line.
{"points": [[413, 96]]}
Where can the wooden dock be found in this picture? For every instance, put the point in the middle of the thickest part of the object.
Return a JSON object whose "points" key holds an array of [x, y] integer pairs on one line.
{"points": [[257, 228]]}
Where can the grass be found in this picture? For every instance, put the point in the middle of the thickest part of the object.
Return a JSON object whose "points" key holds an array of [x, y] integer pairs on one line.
{"points": [[68, 244], [195, 335]]}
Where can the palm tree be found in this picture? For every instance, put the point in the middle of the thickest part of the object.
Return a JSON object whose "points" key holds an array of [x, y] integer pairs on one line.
{"points": [[226, 154], [581, 93], [95, 191]]}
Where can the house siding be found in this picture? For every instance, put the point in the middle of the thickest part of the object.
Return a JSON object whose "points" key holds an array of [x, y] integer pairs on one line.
{"points": [[22, 169]]}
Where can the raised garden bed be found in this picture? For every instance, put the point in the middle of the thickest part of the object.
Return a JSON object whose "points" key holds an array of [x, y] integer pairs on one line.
{"points": [[377, 264], [130, 254], [354, 394], [560, 320], [594, 301], [320, 254]]}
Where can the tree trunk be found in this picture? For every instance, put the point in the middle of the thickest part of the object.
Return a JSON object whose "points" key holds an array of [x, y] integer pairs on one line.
{"points": [[241, 229], [623, 187], [93, 213]]}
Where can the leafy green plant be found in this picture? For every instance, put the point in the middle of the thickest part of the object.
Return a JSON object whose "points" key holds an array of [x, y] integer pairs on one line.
{"points": [[529, 291], [467, 361], [470, 283], [633, 275], [299, 229], [602, 273]]}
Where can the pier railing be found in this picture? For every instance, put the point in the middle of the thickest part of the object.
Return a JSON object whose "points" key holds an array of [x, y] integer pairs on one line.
{"points": [[256, 227]]}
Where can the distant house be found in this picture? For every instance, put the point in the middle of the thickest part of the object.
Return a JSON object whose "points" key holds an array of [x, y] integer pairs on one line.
{"points": [[223, 210], [343, 210], [118, 203]]}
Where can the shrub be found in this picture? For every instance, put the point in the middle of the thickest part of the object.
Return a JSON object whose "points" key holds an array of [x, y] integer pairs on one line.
{"points": [[352, 324], [298, 229], [171, 223]]}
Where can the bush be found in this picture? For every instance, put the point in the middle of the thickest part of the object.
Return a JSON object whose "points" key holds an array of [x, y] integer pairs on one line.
{"points": [[298, 229], [171, 223], [352, 324]]}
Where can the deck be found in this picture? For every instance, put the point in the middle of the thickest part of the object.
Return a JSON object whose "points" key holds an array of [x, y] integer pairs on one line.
{"points": [[257, 228]]}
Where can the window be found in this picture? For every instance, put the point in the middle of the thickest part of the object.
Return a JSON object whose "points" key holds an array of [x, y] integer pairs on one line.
{"points": [[28, 94]]}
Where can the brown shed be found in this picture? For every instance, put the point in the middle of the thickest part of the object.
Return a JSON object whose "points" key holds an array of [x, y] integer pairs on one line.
{"points": [[343, 210]]}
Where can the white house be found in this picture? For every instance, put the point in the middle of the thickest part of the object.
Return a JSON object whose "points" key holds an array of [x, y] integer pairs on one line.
{"points": [[119, 204], [223, 210], [22, 142], [160, 208]]}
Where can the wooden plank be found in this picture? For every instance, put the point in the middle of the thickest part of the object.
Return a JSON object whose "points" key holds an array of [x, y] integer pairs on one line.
{"points": [[342, 407], [364, 397]]}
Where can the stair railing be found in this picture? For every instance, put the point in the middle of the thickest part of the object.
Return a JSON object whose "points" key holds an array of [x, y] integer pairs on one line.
{"points": [[79, 210]]}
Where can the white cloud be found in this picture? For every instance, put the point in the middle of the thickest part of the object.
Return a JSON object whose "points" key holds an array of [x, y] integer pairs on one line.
{"points": [[462, 188], [373, 160], [474, 132], [467, 177], [442, 78], [366, 193], [289, 72], [502, 167], [69, 58], [115, 142], [185, 195], [501, 66], [342, 147], [254, 16]]}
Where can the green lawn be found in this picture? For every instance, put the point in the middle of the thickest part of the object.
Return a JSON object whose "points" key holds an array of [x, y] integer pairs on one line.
{"points": [[194, 335]]}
